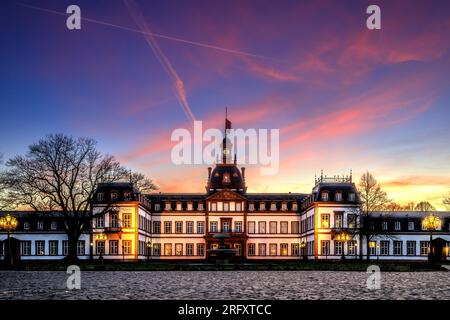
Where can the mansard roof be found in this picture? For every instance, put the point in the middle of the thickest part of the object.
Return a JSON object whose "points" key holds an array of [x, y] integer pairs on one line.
{"points": [[275, 196], [345, 188], [409, 214]]}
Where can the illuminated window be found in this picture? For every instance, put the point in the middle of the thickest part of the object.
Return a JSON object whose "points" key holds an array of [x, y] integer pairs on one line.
{"points": [[351, 221], [178, 249], [219, 206], [351, 247], [167, 249], [40, 247], [126, 246], [294, 206], [284, 249], [213, 206], [372, 248], [325, 221], [232, 206], [338, 220], [273, 249]]}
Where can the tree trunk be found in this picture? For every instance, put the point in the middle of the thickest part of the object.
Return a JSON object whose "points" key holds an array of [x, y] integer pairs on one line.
{"points": [[367, 247], [72, 250]]}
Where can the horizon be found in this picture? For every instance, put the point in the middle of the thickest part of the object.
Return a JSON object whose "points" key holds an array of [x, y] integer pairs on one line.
{"points": [[344, 97]]}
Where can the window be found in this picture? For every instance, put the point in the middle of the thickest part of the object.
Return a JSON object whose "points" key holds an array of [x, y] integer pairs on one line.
{"points": [[226, 226], [200, 227], [168, 206], [398, 246], [262, 249], [325, 221], [190, 206], [40, 225], [411, 248], [251, 206], [272, 227], [178, 227], [213, 226], [273, 206], [114, 220], [294, 206], [338, 196], [262, 206], [351, 221], [40, 247], [424, 245], [157, 227], [100, 221], [127, 220], [284, 249], [2, 249], [100, 196], [238, 248], [126, 246], [157, 249], [189, 227], [26, 225], [25, 248], [213, 206], [325, 247], [113, 196], [251, 227], [226, 206], [113, 247], [219, 206], [372, 248], [384, 248], [179, 206], [284, 227], [295, 249], [238, 206], [397, 226], [294, 227], [200, 249], [100, 247], [351, 197], [251, 249], [53, 247], [351, 247], [178, 249], [273, 249], [324, 196], [384, 225], [338, 220], [284, 206], [411, 225], [81, 247], [262, 227], [167, 249], [157, 207], [54, 225], [167, 226], [338, 247], [238, 226], [200, 206], [127, 196], [189, 249], [65, 247]]}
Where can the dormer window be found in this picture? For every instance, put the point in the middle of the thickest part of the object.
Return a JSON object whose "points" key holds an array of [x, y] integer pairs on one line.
{"points": [[157, 207], [273, 206], [26, 225], [100, 196], [351, 197], [127, 196], [294, 206], [113, 196], [179, 206], [324, 196], [262, 206], [168, 206], [53, 225], [200, 206], [251, 206], [338, 196], [397, 225], [40, 225], [411, 225], [384, 225], [189, 206], [284, 206], [226, 178]]}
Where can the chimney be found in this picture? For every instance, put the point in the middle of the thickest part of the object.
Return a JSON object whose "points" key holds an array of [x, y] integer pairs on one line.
{"points": [[243, 173]]}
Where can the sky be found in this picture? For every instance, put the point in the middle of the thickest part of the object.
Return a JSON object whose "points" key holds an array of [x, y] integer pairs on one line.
{"points": [[343, 96]]}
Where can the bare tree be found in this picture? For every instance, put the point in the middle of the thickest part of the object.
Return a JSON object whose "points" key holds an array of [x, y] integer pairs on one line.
{"points": [[409, 206], [393, 206], [142, 183], [372, 199], [424, 206], [446, 202], [61, 173]]}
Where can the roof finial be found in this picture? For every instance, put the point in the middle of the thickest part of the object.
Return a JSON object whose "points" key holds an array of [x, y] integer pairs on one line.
{"points": [[351, 175]]}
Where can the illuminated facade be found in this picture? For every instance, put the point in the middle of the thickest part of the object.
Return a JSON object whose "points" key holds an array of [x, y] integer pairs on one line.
{"points": [[322, 224]]}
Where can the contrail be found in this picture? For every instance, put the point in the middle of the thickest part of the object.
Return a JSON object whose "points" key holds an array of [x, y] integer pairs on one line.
{"points": [[162, 58], [158, 35]]}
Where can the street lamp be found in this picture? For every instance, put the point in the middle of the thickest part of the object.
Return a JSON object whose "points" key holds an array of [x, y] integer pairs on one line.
{"points": [[343, 237], [101, 237], [149, 249], [431, 223], [9, 224]]}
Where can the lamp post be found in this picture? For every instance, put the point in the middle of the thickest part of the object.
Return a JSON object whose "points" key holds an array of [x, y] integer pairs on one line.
{"points": [[9, 224], [343, 237], [378, 252], [149, 249], [431, 223], [101, 237], [302, 248]]}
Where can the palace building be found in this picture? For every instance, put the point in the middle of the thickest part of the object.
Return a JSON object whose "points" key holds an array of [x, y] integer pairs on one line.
{"points": [[322, 224]]}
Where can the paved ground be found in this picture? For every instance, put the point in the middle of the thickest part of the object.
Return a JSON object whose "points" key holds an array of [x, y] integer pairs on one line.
{"points": [[223, 285]]}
